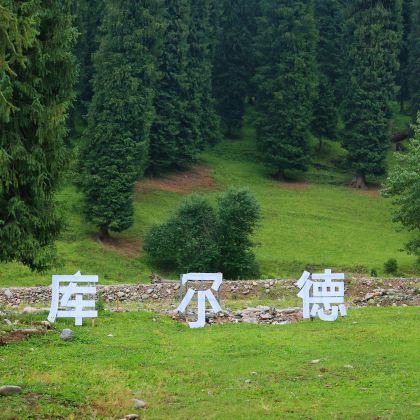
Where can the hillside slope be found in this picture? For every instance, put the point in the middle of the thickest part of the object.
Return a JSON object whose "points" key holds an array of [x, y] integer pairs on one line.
{"points": [[317, 222]]}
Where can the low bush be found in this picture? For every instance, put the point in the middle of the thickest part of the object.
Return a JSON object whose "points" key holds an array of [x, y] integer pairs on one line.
{"points": [[196, 238], [187, 241], [391, 266]]}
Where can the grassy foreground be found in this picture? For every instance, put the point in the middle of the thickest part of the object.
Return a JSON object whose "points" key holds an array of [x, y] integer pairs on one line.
{"points": [[315, 223], [183, 373]]}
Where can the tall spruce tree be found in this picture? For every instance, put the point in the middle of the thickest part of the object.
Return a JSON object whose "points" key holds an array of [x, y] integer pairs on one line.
{"points": [[88, 15], [37, 74], [329, 17], [402, 75], [373, 37], [234, 61], [175, 137], [414, 59], [121, 112], [201, 41], [286, 82]]}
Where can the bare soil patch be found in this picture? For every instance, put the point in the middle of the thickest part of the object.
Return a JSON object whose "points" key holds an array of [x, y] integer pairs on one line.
{"points": [[19, 335], [122, 246], [197, 178]]}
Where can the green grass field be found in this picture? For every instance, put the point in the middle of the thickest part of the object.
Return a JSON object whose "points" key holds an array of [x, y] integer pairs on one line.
{"points": [[315, 223], [183, 373]]}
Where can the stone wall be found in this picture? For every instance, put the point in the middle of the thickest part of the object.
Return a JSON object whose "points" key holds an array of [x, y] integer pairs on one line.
{"points": [[362, 290]]}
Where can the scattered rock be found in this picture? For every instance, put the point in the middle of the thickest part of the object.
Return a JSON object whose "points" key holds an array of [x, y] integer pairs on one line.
{"points": [[67, 334], [31, 310], [154, 278], [10, 390], [7, 321], [247, 381], [348, 366], [110, 335], [131, 416], [139, 403], [359, 291], [315, 361]]}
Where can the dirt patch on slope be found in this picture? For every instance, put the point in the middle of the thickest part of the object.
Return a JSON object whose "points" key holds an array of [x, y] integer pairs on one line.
{"points": [[19, 335], [197, 178], [122, 246]]}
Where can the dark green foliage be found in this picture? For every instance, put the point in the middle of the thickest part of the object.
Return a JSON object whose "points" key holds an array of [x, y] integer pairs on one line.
{"points": [[201, 39], [235, 61], [373, 273], [196, 239], [286, 82], [414, 59], [403, 185], [88, 18], [373, 38], [325, 119], [37, 74], [121, 113], [238, 215], [187, 242], [391, 266], [402, 75], [175, 137], [329, 17]]}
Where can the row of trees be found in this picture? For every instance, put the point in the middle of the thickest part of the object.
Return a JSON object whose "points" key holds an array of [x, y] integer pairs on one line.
{"points": [[303, 83], [151, 104], [162, 69], [152, 76]]}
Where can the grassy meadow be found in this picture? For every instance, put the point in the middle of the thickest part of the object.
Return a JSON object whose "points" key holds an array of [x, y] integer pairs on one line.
{"points": [[315, 222], [369, 368]]}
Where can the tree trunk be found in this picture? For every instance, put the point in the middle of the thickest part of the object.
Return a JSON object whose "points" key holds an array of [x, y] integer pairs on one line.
{"points": [[103, 233], [320, 144], [359, 182]]}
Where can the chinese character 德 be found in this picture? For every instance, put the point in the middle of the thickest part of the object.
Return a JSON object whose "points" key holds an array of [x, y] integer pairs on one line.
{"points": [[324, 298]]}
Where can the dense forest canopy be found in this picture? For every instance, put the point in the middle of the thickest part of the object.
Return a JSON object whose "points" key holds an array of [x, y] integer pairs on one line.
{"points": [[152, 84]]}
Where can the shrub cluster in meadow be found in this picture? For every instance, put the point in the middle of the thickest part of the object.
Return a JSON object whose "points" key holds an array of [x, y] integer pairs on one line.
{"points": [[200, 238]]}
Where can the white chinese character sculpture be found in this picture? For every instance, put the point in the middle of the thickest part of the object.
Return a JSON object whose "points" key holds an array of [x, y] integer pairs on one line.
{"points": [[217, 279], [64, 306], [318, 296]]}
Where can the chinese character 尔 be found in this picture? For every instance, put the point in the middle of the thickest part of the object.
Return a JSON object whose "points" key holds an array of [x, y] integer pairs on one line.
{"points": [[202, 295]]}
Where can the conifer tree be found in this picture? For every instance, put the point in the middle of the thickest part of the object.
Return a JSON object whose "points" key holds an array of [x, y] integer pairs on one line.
{"points": [[402, 75], [329, 17], [88, 18], [373, 36], [238, 216], [403, 186], [286, 82], [234, 61], [414, 59], [175, 137], [37, 74], [121, 112], [201, 39]]}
